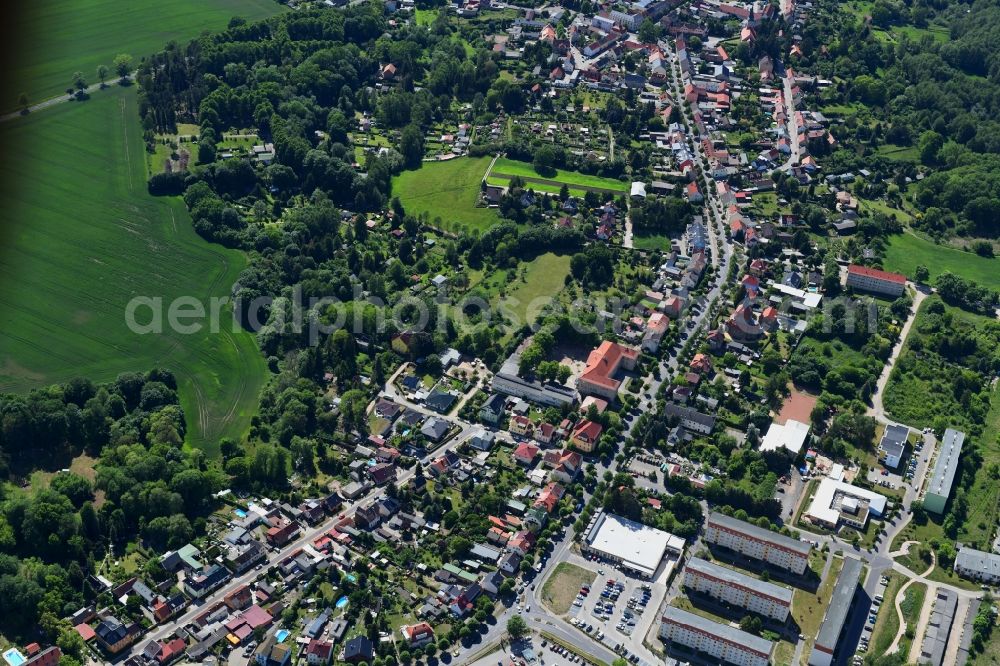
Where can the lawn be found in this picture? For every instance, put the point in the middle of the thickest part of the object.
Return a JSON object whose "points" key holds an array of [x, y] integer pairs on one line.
{"points": [[537, 187], [899, 153], [82, 239], [808, 608], [542, 279], [424, 16], [515, 168], [651, 242], [563, 585], [939, 32], [887, 623], [447, 191], [60, 37], [907, 251], [913, 601]]}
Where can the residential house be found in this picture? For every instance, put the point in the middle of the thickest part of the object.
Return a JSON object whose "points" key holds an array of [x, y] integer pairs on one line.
{"points": [[482, 440], [510, 563], [492, 410], [358, 649], [439, 401], [522, 542], [319, 652], [417, 635], [434, 429], [520, 425], [525, 454], [206, 581], [284, 531], [273, 653], [585, 435], [113, 636]]}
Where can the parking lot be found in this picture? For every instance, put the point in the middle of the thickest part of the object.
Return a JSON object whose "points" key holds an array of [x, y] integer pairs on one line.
{"points": [[903, 475], [618, 610], [878, 603]]}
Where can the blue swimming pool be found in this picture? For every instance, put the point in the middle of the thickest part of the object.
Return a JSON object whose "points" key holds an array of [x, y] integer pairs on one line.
{"points": [[13, 657], [240, 512], [341, 602], [280, 635], [352, 578]]}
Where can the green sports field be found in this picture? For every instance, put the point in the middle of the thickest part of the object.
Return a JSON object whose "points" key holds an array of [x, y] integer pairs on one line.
{"points": [[60, 37], [447, 190], [907, 251], [81, 237]]}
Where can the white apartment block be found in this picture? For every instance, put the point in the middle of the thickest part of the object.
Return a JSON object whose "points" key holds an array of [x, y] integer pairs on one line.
{"points": [[738, 589], [756, 542], [721, 641]]}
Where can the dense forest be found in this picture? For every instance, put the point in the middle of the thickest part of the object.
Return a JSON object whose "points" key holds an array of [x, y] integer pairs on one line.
{"points": [[143, 484]]}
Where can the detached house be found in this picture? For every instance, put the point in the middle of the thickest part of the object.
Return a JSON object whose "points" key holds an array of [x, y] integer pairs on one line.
{"points": [[492, 410], [417, 635], [585, 435]]}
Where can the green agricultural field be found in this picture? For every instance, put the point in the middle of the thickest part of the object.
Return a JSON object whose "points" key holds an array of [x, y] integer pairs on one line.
{"points": [[907, 251], [515, 168], [447, 190], [65, 36], [82, 238]]}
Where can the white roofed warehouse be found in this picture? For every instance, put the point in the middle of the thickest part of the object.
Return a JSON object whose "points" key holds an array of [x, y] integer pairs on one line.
{"points": [[635, 546]]}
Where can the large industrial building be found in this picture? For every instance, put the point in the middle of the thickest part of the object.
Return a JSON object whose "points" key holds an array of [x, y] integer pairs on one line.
{"points": [[939, 488], [721, 641], [637, 547], [738, 589], [825, 647], [756, 542]]}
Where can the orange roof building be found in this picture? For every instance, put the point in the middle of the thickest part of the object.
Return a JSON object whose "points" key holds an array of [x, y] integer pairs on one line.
{"points": [[598, 378]]}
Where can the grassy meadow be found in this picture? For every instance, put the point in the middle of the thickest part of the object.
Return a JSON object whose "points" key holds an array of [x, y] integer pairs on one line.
{"points": [[542, 278], [447, 190], [82, 237], [65, 36], [508, 167], [907, 251]]}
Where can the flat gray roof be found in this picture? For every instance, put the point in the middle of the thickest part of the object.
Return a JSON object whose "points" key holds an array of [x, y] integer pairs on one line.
{"points": [[760, 533], [947, 463], [983, 563], [894, 439], [736, 637], [840, 603], [738, 578]]}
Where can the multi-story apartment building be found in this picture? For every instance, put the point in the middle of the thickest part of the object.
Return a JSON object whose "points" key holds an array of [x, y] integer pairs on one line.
{"points": [[738, 589], [978, 565], [824, 650], [721, 641], [876, 281], [756, 542], [939, 488]]}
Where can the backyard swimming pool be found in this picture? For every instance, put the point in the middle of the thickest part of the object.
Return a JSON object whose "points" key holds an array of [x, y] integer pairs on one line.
{"points": [[280, 635], [13, 657]]}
